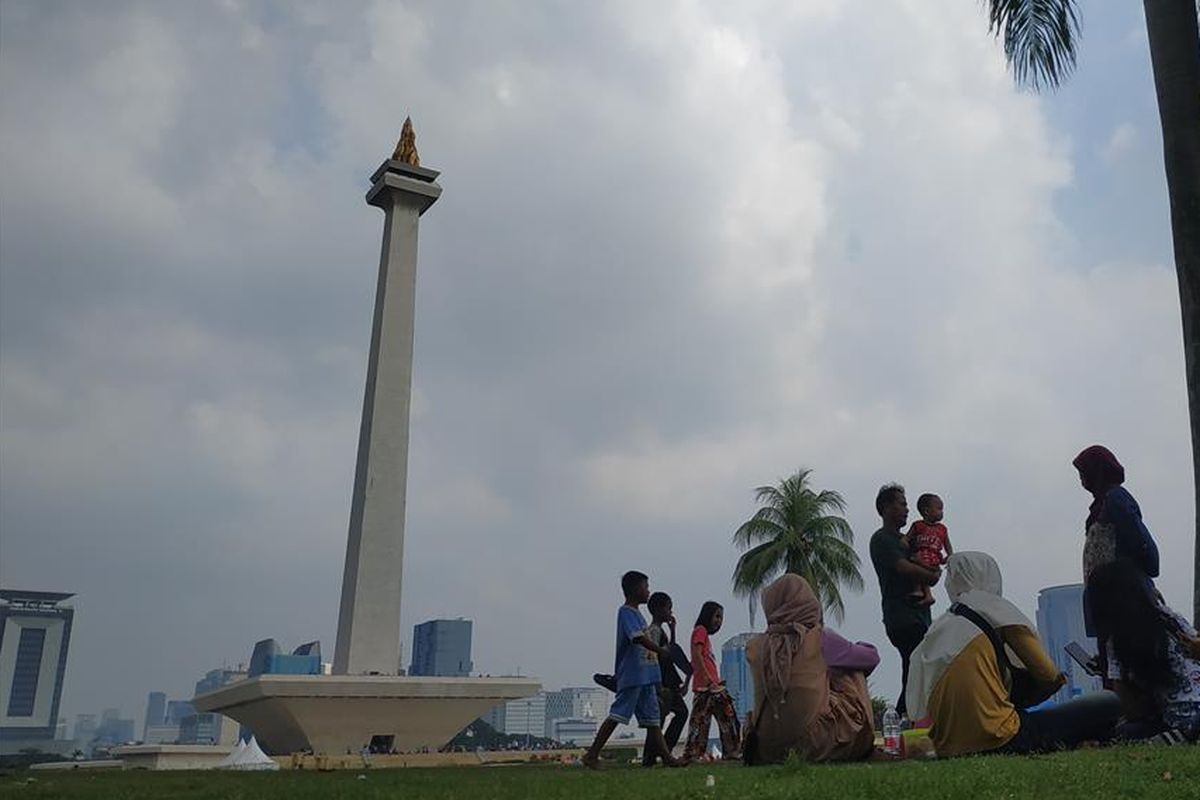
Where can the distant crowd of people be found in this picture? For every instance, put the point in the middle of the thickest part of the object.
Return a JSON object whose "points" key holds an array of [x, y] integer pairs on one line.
{"points": [[977, 677]]}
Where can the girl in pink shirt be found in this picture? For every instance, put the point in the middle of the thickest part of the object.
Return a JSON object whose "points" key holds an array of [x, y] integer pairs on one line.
{"points": [[710, 699]]}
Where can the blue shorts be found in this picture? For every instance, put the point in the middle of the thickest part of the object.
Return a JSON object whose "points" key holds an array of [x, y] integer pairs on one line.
{"points": [[640, 701]]}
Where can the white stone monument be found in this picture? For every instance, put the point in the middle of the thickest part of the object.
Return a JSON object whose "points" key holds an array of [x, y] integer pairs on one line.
{"points": [[366, 697], [368, 635]]}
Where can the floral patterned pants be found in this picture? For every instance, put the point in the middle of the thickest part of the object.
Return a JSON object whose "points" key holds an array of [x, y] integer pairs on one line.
{"points": [[707, 706]]}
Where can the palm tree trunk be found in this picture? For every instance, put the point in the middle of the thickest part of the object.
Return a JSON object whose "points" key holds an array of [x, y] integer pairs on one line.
{"points": [[1175, 57]]}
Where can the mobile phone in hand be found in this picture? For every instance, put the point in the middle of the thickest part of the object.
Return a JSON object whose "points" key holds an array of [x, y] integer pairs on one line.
{"points": [[1085, 659]]}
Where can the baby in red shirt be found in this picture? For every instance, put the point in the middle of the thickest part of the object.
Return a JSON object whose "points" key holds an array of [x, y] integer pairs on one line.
{"points": [[928, 543]]}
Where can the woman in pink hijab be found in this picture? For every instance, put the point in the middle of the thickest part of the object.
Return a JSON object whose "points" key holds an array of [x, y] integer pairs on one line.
{"points": [[810, 684]]}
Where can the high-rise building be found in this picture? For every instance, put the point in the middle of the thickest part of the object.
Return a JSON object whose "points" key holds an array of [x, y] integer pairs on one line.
{"points": [[574, 702], [216, 678], [113, 729], [177, 711], [85, 730], [161, 734], [559, 705], [495, 717], [570, 730], [208, 728], [1060, 622], [211, 728], [35, 633], [526, 717], [156, 712], [736, 672], [442, 647]]}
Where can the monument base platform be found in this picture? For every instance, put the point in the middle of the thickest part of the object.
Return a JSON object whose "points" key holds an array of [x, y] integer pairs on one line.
{"points": [[336, 714], [171, 756]]}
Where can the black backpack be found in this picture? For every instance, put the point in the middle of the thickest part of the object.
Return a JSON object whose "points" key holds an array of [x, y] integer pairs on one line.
{"points": [[1023, 690]]}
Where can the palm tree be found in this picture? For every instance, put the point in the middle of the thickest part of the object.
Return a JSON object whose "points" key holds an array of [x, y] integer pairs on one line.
{"points": [[1039, 43], [797, 529]]}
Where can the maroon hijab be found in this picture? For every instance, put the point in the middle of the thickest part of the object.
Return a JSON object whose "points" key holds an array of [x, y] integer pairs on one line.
{"points": [[1099, 471]]}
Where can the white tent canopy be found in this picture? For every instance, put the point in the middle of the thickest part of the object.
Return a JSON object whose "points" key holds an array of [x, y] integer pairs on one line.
{"points": [[248, 756], [233, 754]]}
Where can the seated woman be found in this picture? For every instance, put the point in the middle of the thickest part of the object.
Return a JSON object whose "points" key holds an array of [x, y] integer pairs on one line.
{"points": [[810, 686], [1150, 658], [956, 678]]}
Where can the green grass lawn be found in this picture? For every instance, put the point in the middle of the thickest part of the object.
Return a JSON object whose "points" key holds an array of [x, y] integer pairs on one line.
{"points": [[1161, 773]]}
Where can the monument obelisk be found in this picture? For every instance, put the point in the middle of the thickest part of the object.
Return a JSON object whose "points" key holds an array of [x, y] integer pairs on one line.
{"points": [[368, 633], [366, 701]]}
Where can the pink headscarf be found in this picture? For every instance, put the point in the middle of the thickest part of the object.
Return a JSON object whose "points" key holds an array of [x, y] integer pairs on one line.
{"points": [[793, 612]]}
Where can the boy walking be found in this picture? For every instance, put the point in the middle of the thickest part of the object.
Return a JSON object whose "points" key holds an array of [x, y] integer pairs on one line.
{"points": [[637, 674], [673, 688]]}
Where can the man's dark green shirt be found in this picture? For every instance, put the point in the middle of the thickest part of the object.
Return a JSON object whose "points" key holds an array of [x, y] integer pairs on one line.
{"points": [[898, 611]]}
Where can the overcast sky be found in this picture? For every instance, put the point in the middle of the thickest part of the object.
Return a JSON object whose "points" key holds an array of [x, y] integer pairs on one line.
{"points": [[682, 250]]}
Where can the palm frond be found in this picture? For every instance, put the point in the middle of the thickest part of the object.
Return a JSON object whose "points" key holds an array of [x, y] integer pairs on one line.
{"points": [[829, 500], [1039, 38], [831, 526], [757, 567], [769, 496], [756, 529]]}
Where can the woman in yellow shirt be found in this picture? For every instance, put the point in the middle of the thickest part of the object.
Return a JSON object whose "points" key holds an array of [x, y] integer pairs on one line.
{"points": [[956, 679]]}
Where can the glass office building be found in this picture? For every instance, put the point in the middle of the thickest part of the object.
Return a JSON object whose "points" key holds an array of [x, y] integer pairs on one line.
{"points": [[1060, 622], [35, 634]]}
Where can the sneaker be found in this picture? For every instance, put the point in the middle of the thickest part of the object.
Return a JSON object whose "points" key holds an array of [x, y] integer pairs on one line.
{"points": [[1171, 736], [605, 681]]}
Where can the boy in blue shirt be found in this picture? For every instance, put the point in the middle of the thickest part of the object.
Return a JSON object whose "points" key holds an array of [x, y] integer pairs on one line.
{"points": [[637, 675]]}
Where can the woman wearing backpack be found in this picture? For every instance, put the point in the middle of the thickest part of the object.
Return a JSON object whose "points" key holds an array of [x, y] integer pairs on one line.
{"points": [[963, 676]]}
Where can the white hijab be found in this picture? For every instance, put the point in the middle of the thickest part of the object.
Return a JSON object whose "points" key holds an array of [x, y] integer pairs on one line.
{"points": [[972, 579]]}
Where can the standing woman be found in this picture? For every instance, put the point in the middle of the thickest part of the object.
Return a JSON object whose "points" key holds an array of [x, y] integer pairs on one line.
{"points": [[1114, 527], [710, 698]]}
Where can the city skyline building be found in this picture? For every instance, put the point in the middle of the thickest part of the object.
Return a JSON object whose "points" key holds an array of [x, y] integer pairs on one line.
{"points": [[216, 678], [1060, 622], [161, 734], [156, 712], [85, 730], [560, 704], [735, 670], [526, 717], [574, 731], [113, 729], [208, 728], [574, 702], [35, 638], [178, 711], [495, 717], [442, 647]]}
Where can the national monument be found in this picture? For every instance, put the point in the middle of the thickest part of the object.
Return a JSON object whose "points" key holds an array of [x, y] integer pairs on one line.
{"points": [[366, 700]]}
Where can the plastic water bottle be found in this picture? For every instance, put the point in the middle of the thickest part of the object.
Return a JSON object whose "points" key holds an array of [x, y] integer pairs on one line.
{"points": [[891, 732]]}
